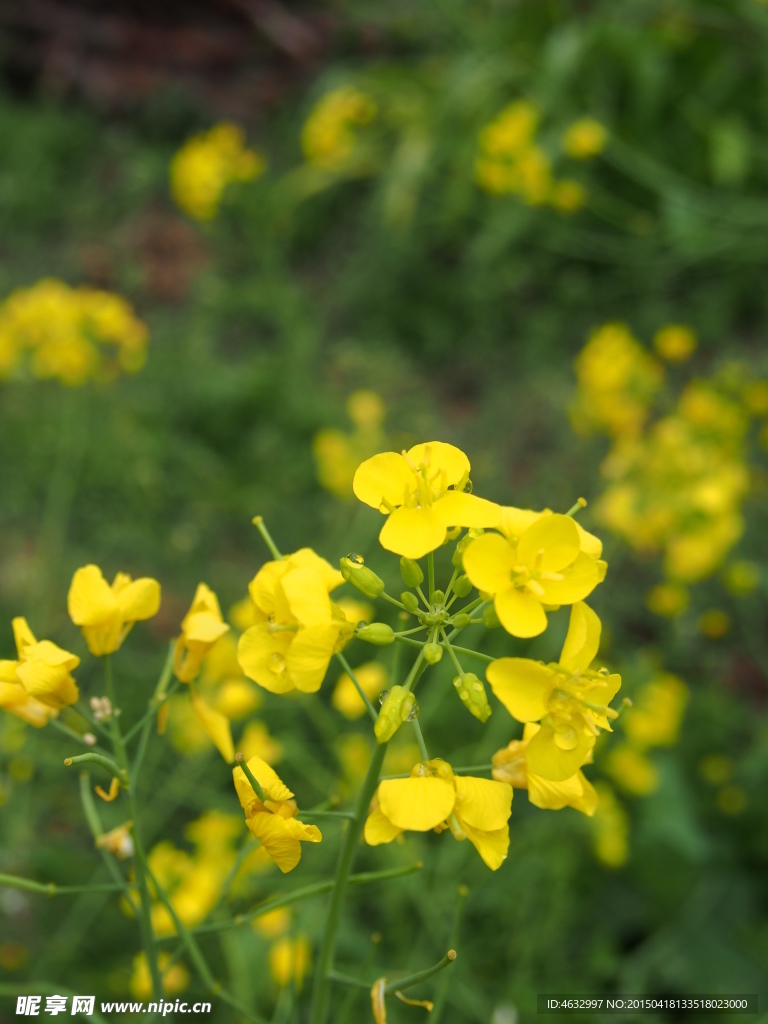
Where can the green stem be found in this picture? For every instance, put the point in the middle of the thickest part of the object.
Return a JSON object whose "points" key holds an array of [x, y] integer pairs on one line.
{"points": [[95, 826], [416, 669], [345, 979], [363, 695], [52, 889], [420, 739], [473, 654], [258, 522], [96, 726], [104, 762], [442, 992], [255, 784], [577, 507], [449, 588], [407, 640], [418, 976], [451, 652], [431, 574], [407, 632], [349, 815], [73, 735], [321, 987], [114, 725], [421, 594], [394, 601]]}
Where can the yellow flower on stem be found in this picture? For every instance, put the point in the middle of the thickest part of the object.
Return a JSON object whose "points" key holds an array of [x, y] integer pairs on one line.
{"points": [[423, 493], [545, 566], [289, 960], [510, 764], [584, 139], [201, 627], [568, 699], [434, 798], [273, 822], [106, 614], [298, 627], [43, 670], [16, 701]]}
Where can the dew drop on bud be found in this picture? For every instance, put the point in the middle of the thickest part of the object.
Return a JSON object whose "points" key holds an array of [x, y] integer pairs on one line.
{"points": [[383, 696], [277, 663], [414, 712], [354, 557]]}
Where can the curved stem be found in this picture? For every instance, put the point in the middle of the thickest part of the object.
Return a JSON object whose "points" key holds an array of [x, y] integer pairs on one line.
{"points": [[363, 695]]}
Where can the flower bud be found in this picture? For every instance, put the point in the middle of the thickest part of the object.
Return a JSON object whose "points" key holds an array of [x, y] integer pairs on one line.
{"points": [[360, 576], [462, 586], [490, 618], [472, 693], [411, 572], [432, 653], [460, 620], [409, 599], [377, 633], [399, 705], [438, 597], [462, 546]]}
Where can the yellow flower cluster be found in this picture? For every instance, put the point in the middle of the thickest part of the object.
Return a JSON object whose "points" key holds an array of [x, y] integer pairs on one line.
{"points": [[328, 137], [338, 454], [206, 164], [69, 334], [510, 161], [40, 683]]}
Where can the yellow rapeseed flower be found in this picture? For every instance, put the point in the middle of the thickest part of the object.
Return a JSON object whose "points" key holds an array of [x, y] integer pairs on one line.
{"points": [[610, 828], [201, 627], [328, 138], [372, 677], [584, 139], [106, 614], [632, 770], [657, 711], [289, 960], [206, 164], [675, 342], [44, 672]]}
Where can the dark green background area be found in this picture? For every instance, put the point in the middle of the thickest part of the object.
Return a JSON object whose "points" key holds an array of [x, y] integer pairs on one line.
{"points": [[466, 316]]}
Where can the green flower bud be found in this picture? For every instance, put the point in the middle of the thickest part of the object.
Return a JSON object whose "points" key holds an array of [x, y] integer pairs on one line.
{"points": [[432, 653], [360, 576], [377, 633], [438, 597], [472, 693], [462, 546], [462, 586], [398, 705], [490, 618], [460, 620], [411, 572], [409, 599]]}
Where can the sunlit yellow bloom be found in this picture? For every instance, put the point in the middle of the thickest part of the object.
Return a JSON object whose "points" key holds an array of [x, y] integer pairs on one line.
{"points": [[668, 599], [289, 960], [328, 138], [434, 798], [175, 976], [610, 832], [106, 614], [569, 700], [714, 623], [372, 677], [206, 164], [423, 493], [544, 566], [675, 342], [201, 627], [632, 770], [43, 670], [274, 823], [657, 711], [298, 627], [511, 765], [585, 139]]}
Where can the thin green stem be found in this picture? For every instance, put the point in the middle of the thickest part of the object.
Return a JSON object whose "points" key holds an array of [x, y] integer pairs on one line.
{"points": [[321, 987], [473, 654], [418, 976], [421, 594], [407, 640], [104, 762], [255, 784], [449, 588], [96, 726], [416, 670], [579, 504], [431, 574], [73, 735], [451, 652], [363, 695], [345, 979], [53, 889], [420, 739], [394, 601], [114, 725], [258, 522], [95, 826], [349, 815], [442, 991]]}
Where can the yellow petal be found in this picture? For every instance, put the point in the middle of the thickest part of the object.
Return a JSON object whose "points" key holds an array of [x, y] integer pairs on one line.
{"points": [[262, 657], [547, 759], [266, 776], [139, 600], [216, 726], [309, 655], [306, 558], [574, 792], [579, 580], [488, 561], [204, 627], [412, 532], [456, 508], [590, 544], [379, 829], [492, 846], [307, 596], [283, 847], [90, 599], [383, 478], [552, 543], [437, 455], [378, 1001], [519, 613], [16, 701], [22, 634], [483, 803], [513, 522], [266, 593], [582, 639], [50, 684], [523, 686], [418, 804]]}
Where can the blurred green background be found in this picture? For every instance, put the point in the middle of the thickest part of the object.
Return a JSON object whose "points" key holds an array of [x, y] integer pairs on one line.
{"points": [[464, 310]]}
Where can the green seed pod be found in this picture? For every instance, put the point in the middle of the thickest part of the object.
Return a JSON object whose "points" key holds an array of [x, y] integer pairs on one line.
{"points": [[438, 597], [409, 599], [490, 618], [360, 576], [432, 653], [398, 706], [377, 633], [462, 586], [411, 572], [460, 620], [463, 544], [472, 693]]}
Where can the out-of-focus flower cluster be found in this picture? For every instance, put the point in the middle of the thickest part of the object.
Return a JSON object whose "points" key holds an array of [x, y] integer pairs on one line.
{"points": [[73, 335], [329, 135], [204, 166], [512, 161], [338, 454]]}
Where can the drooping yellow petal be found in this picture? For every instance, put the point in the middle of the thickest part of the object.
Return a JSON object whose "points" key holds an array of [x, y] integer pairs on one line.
{"points": [[492, 846], [281, 845], [484, 804], [413, 532], [90, 599], [456, 508], [16, 701], [488, 561], [582, 639], [383, 479], [216, 726], [552, 761], [590, 544], [261, 655], [379, 829], [576, 792], [139, 600], [44, 672], [520, 613], [437, 455], [417, 804], [579, 580], [551, 543], [273, 786], [523, 686], [308, 656], [307, 596]]}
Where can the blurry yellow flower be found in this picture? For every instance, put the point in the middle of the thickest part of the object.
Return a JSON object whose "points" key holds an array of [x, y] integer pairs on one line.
{"points": [[256, 741], [512, 130], [366, 409], [16, 701], [216, 726], [106, 614], [298, 627], [716, 769], [206, 164], [201, 627], [118, 841], [568, 195], [175, 977], [434, 798], [355, 611], [675, 343], [584, 139], [43, 670], [511, 765], [543, 566], [714, 623], [668, 600], [274, 823], [372, 677], [632, 770], [657, 711], [731, 799], [274, 923], [741, 577], [214, 832], [289, 961], [755, 396], [570, 700], [241, 614], [328, 138], [610, 833]]}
